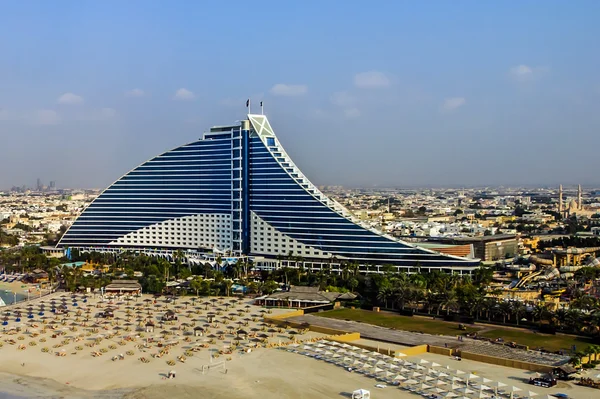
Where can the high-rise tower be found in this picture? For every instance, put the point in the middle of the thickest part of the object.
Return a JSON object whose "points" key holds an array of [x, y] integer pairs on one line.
{"points": [[237, 191]]}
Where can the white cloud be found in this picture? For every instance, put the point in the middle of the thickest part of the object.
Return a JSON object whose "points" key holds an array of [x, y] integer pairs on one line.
{"points": [[46, 117], [343, 99], [184, 94], [351, 112], [70, 98], [135, 93], [371, 80], [525, 72], [521, 70], [281, 89], [453, 103]]}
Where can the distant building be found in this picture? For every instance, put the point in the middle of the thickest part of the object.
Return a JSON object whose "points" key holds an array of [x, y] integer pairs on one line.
{"points": [[487, 248], [120, 287]]}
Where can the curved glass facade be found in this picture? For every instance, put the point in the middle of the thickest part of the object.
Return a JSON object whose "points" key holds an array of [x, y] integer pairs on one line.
{"points": [[237, 190]]}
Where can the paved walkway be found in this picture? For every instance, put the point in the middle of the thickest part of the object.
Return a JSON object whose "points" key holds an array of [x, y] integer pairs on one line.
{"points": [[407, 338]]}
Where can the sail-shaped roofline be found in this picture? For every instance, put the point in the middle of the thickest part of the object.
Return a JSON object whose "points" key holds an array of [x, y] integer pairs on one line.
{"points": [[262, 128]]}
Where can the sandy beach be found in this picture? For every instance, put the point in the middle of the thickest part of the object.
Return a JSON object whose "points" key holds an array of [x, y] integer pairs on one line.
{"points": [[79, 354]]}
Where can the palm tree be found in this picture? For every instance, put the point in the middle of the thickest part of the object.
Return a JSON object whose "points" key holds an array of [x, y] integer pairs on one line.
{"points": [[386, 292], [478, 306], [178, 256], [227, 284], [573, 320], [575, 360], [540, 312], [402, 294], [505, 309], [560, 316], [518, 309], [490, 305]]}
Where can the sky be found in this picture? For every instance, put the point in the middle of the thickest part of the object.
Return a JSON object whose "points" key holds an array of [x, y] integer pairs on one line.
{"points": [[361, 94]]}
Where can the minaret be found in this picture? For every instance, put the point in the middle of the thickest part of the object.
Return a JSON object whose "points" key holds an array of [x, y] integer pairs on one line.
{"points": [[579, 198], [560, 201]]}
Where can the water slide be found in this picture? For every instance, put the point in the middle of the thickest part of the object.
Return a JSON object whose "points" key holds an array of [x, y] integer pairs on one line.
{"points": [[540, 260], [525, 279]]}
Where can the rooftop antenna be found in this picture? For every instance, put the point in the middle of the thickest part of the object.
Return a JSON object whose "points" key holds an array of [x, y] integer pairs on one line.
{"points": [[248, 105], [262, 110]]}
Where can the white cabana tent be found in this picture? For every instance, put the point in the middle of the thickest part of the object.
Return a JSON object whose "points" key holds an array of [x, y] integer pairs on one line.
{"points": [[361, 394]]}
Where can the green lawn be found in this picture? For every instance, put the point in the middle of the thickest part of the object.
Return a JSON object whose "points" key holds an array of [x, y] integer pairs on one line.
{"points": [[396, 321], [548, 342]]}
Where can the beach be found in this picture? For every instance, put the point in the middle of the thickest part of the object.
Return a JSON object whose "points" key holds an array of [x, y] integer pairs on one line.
{"points": [[215, 347]]}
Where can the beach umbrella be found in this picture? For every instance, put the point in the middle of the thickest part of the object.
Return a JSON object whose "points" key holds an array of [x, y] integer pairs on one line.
{"points": [[400, 378], [531, 394], [449, 394], [425, 386], [423, 361], [496, 385], [410, 382], [428, 378], [437, 390], [465, 391]]}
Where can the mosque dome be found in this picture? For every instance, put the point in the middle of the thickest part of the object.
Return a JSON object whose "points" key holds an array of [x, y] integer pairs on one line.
{"points": [[573, 204]]}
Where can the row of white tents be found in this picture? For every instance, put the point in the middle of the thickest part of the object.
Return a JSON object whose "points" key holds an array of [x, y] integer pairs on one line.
{"points": [[421, 377]]}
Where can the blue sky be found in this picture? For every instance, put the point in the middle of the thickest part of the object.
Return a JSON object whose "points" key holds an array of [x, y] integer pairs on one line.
{"points": [[383, 93]]}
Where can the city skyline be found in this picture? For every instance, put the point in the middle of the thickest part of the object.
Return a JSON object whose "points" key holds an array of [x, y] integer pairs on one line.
{"points": [[415, 96]]}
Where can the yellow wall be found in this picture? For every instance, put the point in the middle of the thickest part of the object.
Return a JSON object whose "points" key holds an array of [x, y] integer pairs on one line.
{"points": [[505, 362], [414, 350], [349, 337], [298, 312], [441, 351]]}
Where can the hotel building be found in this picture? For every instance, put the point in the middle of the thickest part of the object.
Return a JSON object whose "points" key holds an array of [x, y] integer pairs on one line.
{"points": [[237, 192]]}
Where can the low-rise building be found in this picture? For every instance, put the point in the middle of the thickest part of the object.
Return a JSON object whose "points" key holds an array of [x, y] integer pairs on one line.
{"points": [[302, 297]]}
